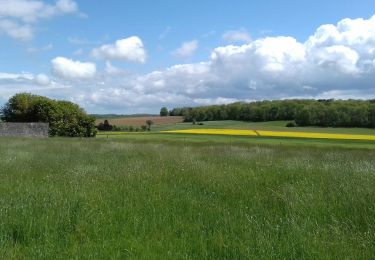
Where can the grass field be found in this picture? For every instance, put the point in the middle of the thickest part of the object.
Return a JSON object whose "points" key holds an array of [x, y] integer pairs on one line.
{"points": [[174, 197]]}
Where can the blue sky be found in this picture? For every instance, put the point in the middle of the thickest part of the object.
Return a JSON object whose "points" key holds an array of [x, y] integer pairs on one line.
{"points": [[135, 56]]}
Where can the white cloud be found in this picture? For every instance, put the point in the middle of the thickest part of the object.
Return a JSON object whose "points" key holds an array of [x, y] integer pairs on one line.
{"points": [[187, 49], [240, 35], [337, 61], [42, 79], [70, 69], [16, 30], [67, 6], [129, 49], [215, 101], [16, 76], [34, 10], [112, 70], [18, 17]]}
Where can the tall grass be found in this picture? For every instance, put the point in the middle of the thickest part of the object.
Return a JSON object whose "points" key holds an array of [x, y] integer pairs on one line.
{"points": [[71, 198]]}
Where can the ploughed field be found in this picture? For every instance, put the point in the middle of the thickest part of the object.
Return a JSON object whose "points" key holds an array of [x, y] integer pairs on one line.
{"points": [[167, 197], [139, 121]]}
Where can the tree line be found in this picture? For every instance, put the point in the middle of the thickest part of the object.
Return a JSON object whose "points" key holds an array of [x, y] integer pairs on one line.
{"points": [[323, 112], [65, 118]]}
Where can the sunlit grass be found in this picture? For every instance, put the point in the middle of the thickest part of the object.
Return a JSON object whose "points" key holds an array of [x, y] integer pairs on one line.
{"points": [[114, 198]]}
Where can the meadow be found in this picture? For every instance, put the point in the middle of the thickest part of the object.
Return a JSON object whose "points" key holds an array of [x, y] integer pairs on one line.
{"points": [[160, 196]]}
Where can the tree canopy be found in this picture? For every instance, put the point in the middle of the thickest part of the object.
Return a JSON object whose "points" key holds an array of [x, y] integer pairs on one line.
{"points": [[65, 118], [324, 112], [164, 111]]}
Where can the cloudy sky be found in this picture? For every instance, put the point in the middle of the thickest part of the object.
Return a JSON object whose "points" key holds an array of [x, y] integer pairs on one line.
{"points": [[125, 56]]}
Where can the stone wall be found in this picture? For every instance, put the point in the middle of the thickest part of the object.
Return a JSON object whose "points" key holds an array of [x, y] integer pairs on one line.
{"points": [[24, 129]]}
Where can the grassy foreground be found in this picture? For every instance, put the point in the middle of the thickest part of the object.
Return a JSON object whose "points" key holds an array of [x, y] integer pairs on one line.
{"points": [[118, 198]]}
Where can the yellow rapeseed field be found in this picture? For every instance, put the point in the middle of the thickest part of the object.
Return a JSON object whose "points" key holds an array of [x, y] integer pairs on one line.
{"points": [[274, 134], [214, 132]]}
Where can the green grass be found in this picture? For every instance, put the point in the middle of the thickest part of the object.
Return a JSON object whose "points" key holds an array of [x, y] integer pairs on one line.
{"points": [[150, 197], [155, 137]]}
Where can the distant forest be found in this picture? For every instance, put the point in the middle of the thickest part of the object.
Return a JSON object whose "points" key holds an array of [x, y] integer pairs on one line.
{"points": [[324, 113]]}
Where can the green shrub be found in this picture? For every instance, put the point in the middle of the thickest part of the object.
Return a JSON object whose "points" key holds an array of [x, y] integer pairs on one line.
{"points": [[64, 118]]}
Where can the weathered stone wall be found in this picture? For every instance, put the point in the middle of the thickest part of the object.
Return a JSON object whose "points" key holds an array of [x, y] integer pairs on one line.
{"points": [[24, 129]]}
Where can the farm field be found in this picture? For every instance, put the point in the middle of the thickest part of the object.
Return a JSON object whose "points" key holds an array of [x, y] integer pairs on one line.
{"points": [[171, 196], [261, 133], [266, 126], [139, 121], [271, 132], [176, 123]]}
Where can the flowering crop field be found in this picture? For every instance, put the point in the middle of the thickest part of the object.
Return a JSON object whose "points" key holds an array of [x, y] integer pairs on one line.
{"points": [[235, 132]]}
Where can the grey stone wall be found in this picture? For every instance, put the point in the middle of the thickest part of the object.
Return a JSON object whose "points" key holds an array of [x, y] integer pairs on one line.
{"points": [[24, 129]]}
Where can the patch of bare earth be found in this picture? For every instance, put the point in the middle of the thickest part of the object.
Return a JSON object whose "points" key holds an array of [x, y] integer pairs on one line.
{"points": [[139, 121]]}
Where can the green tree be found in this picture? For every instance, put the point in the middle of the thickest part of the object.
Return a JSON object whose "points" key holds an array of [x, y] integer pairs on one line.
{"points": [[371, 115], [149, 123], [64, 118], [164, 111]]}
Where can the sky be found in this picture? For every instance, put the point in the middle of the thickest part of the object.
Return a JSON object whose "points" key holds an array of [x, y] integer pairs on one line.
{"points": [[125, 57]]}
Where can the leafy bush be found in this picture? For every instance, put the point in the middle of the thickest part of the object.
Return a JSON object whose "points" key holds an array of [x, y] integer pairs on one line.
{"points": [[106, 126], [149, 123], [164, 111], [64, 118], [291, 124]]}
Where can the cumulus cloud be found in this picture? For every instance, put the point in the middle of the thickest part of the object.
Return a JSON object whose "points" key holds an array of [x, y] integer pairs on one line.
{"points": [[129, 49], [66, 6], [112, 70], [42, 79], [73, 70], [187, 49], [15, 30], [18, 17], [336, 61], [240, 35]]}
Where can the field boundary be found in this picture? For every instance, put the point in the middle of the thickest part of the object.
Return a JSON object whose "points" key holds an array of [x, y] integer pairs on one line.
{"points": [[258, 133]]}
